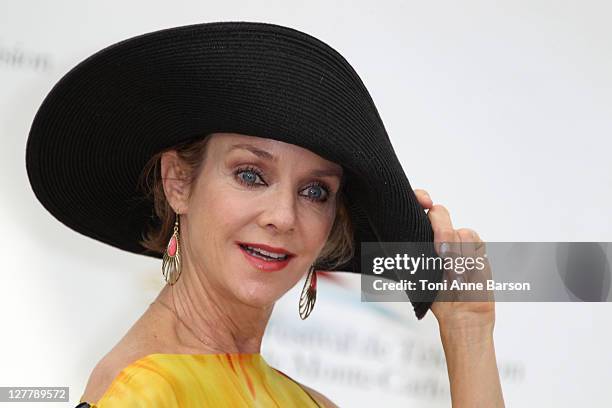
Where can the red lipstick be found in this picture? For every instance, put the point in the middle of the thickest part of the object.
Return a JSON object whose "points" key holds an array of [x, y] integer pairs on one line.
{"points": [[264, 264], [267, 248]]}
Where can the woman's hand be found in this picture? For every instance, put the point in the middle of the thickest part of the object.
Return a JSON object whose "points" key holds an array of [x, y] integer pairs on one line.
{"points": [[459, 309], [466, 319]]}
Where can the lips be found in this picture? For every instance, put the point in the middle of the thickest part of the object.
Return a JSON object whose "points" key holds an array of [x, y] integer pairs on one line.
{"points": [[264, 264], [268, 248]]}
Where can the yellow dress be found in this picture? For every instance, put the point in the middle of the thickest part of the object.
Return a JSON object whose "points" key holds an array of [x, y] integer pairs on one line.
{"points": [[202, 380]]}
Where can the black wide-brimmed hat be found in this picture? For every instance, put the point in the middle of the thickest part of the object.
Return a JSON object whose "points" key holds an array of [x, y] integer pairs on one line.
{"points": [[110, 114]]}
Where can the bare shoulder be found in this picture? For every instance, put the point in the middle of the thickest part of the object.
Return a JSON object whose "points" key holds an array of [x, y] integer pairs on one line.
{"points": [[102, 377], [109, 368], [322, 399], [134, 345]]}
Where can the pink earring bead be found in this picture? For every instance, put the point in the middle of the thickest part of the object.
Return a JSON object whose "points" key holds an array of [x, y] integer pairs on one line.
{"points": [[172, 246]]}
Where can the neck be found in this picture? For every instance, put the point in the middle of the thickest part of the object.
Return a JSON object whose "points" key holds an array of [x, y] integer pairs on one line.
{"points": [[216, 322]]}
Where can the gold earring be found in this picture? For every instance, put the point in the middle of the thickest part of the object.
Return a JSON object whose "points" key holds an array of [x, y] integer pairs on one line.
{"points": [[171, 266], [309, 293]]}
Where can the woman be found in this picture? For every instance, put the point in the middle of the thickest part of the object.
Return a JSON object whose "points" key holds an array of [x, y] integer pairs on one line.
{"points": [[263, 159]]}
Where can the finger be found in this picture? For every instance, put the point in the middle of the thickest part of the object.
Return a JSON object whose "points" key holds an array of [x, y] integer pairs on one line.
{"points": [[443, 230], [440, 218], [477, 266], [423, 198], [468, 251], [468, 241], [481, 248]]}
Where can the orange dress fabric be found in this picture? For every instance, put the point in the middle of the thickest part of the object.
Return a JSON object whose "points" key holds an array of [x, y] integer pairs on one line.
{"points": [[202, 380]]}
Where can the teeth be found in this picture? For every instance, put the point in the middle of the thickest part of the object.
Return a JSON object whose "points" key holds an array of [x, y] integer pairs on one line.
{"points": [[268, 254]]}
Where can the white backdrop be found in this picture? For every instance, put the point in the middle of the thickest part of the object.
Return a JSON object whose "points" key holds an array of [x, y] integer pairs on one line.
{"points": [[502, 110]]}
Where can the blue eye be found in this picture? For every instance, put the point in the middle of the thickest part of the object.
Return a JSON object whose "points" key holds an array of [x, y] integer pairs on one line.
{"points": [[248, 175], [316, 191], [319, 192]]}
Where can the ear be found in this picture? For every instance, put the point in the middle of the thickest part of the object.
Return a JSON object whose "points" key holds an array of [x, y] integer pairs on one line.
{"points": [[175, 178]]}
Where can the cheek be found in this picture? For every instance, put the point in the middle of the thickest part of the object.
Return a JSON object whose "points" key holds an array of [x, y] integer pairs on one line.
{"points": [[221, 212], [320, 226], [319, 232]]}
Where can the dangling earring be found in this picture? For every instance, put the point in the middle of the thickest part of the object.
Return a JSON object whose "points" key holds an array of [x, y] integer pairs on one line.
{"points": [[309, 293], [171, 266]]}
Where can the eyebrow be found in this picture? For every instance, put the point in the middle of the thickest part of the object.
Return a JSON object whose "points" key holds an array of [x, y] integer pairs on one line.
{"points": [[256, 151], [269, 156]]}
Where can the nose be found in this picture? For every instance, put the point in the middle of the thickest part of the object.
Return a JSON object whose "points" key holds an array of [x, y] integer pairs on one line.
{"points": [[280, 213]]}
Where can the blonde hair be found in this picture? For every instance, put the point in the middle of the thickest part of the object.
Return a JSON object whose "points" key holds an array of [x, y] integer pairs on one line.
{"points": [[338, 249]]}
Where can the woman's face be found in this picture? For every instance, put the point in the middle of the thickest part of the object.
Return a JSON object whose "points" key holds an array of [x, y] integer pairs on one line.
{"points": [[261, 192]]}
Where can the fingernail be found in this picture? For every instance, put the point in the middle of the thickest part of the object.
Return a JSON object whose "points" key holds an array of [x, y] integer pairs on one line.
{"points": [[444, 248]]}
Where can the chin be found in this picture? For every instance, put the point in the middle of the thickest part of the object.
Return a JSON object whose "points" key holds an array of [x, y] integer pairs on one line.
{"points": [[257, 295]]}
